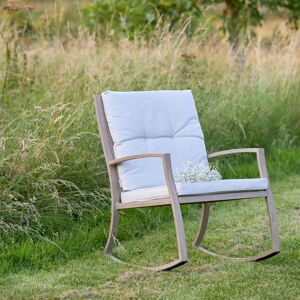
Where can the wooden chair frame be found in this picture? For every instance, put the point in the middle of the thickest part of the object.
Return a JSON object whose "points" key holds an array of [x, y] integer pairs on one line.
{"points": [[175, 200]]}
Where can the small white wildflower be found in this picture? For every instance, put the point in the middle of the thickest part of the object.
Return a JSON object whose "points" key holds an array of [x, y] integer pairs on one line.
{"points": [[196, 173]]}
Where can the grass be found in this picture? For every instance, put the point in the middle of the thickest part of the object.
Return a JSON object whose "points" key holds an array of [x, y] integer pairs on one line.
{"points": [[204, 277], [54, 196]]}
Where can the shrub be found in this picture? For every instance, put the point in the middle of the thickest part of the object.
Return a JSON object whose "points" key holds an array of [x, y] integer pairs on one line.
{"points": [[130, 17]]}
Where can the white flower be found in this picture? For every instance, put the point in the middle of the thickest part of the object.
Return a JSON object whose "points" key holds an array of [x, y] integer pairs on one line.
{"points": [[196, 173]]}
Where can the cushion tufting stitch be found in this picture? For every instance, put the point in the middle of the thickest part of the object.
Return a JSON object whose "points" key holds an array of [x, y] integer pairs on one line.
{"points": [[153, 122]]}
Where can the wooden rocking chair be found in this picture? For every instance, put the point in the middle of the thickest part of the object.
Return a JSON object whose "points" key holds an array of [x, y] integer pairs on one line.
{"points": [[147, 134]]}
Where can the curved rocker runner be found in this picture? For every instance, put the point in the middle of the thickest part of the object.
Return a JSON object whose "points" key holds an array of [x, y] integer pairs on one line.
{"points": [[147, 134]]}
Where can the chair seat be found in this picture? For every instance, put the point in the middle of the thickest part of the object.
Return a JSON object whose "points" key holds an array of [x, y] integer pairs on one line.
{"points": [[198, 188]]}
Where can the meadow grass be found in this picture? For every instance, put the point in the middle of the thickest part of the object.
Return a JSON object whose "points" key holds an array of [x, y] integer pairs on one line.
{"points": [[94, 276], [50, 151], [54, 207]]}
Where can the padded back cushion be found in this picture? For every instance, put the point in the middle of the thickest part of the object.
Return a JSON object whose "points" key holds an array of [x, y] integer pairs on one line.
{"points": [[153, 122]]}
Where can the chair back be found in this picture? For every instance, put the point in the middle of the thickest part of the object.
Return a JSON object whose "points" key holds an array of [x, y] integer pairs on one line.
{"points": [[151, 122]]}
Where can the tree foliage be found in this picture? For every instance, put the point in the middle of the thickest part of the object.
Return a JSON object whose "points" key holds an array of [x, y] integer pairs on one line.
{"points": [[131, 16], [241, 15]]}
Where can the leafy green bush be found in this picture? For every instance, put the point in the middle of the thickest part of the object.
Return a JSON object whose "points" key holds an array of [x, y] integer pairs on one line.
{"points": [[130, 17], [113, 17], [240, 16]]}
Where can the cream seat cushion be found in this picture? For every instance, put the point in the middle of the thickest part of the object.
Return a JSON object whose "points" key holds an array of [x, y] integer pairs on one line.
{"points": [[199, 188]]}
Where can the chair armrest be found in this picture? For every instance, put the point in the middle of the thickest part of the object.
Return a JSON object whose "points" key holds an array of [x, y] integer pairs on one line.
{"points": [[235, 151], [136, 156], [166, 158], [260, 156]]}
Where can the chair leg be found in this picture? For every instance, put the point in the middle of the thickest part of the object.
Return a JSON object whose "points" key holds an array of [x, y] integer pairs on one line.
{"points": [[273, 230], [203, 225], [273, 223], [180, 235], [114, 223]]}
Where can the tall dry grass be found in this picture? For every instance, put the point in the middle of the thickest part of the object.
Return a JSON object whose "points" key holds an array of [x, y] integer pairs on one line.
{"points": [[52, 170]]}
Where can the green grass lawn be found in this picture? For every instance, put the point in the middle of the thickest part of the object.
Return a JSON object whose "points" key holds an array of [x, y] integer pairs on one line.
{"points": [[54, 195], [239, 228]]}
